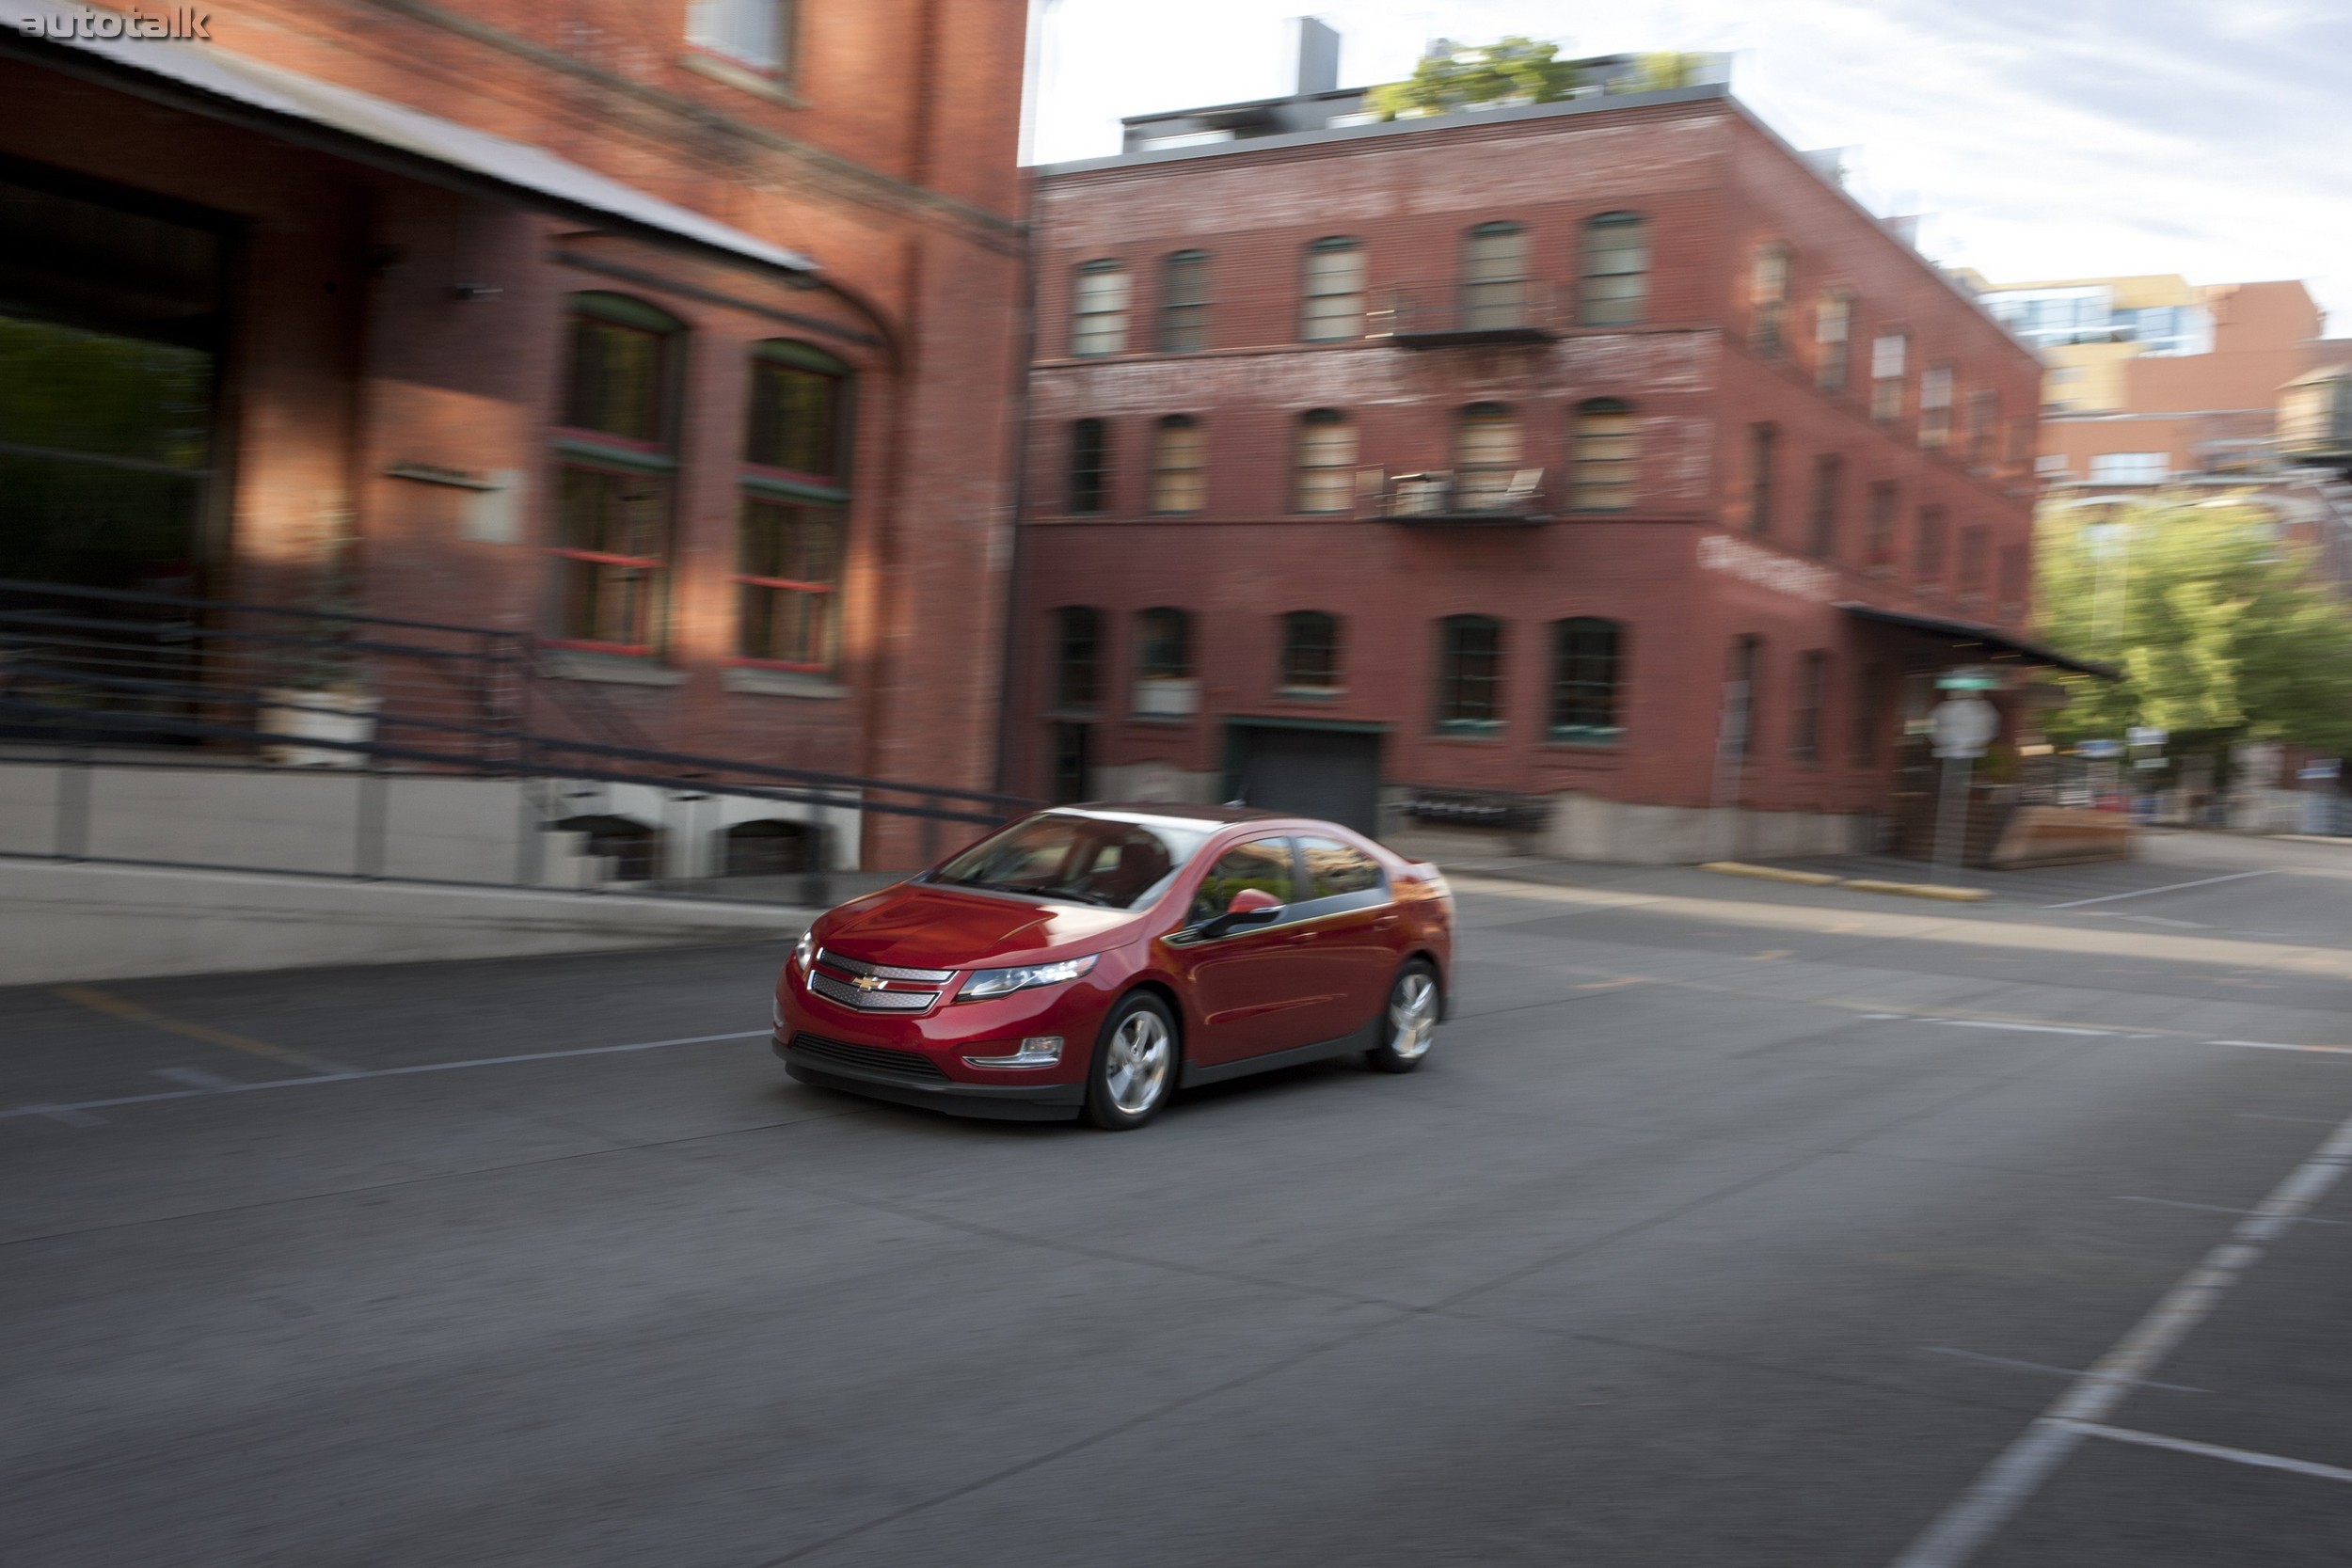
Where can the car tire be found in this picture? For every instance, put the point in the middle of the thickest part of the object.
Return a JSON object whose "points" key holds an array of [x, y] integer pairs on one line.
{"points": [[1409, 1021], [1136, 1060]]}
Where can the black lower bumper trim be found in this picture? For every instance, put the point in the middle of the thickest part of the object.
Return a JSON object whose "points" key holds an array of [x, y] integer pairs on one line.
{"points": [[993, 1102]]}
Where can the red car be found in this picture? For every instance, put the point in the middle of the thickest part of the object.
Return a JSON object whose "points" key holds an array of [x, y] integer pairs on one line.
{"points": [[1089, 960]]}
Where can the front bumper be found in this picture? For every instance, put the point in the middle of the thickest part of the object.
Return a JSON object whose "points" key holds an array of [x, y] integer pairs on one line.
{"points": [[994, 1101]]}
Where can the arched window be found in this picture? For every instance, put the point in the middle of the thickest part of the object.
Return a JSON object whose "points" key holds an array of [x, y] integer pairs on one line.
{"points": [[1179, 465], [1077, 656], [1098, 319], [1603, 476], [1089, 466], [1616, 286], [1485, 456], [1333, 307], [793, 527], [1310, 652], [614, 470], [1768, 297], [1587, 655], [1469, 674], [1326, 478], [1494, 277], [1164, 687], [1185, 302]]}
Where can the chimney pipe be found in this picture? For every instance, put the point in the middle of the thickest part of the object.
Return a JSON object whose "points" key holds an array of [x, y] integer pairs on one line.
{"points": [[1318, 56]]}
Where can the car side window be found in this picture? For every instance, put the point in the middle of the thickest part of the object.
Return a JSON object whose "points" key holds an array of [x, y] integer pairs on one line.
{"points": [[1264, 863], [1334, 869]]}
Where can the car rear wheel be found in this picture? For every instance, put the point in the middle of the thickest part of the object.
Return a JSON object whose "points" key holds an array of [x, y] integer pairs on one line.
{"points": [[1134, 1064], [1410, 1023]]}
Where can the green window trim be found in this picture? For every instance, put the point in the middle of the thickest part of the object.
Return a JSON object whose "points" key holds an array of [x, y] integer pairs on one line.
{"points": [[573, 448], [626, 311], [786, 351], [793, 489]]}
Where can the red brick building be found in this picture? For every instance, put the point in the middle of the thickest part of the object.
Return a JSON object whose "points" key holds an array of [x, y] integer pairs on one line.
{"points": [[1594, 463], [684, 335]]}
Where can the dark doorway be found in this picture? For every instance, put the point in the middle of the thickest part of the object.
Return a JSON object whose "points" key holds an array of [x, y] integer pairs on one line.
{"points": [[1334, 775], [1073, 755], [634, 846], [768, 847]]}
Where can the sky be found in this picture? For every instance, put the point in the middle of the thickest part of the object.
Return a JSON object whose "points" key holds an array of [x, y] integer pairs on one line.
{"points": [[2037, 139]]}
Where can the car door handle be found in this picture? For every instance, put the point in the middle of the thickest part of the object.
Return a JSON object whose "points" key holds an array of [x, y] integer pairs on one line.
{"points": [[1300, 940]]}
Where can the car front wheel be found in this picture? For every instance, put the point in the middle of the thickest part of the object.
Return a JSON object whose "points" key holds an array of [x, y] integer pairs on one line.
{"points": [[1134, 1064], [1410, 1023]]}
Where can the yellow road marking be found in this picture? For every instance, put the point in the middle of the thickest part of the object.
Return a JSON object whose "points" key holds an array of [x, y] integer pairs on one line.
{"points": [[131, 1012]]}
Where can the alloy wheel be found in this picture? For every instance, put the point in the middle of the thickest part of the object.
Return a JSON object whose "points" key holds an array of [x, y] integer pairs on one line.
{"points": [[1412, 1014], [1139, 1057]]}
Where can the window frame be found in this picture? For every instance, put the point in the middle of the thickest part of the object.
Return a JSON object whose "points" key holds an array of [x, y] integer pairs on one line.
{"points": [[1496, 476], [1769, 269], [825, 595], [1312, 473], [1452, 681], [762, 483], [1589, 311], [787, 14], [1196, 472], [1077, 474], [1189, 270], [1332, 245], [1939, 386], [1832, 350], [1809, 700], [1073, 625], [1822, 516], [1932, 546], [1890, 392], [1763, 472], [1584, 461], [1881, 520], [1150, 670], [1475, 307], [1611, 685], [589, 449], [1331, 648], [1084, 321]]}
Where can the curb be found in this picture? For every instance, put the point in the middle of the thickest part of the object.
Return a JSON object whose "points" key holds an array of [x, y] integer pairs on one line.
{"points": [[1921, 889], [1771, 873]]}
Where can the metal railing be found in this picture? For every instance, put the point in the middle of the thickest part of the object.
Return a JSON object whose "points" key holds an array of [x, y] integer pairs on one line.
{"points": [[1437, 314], [1444, 496], [102, 684]]}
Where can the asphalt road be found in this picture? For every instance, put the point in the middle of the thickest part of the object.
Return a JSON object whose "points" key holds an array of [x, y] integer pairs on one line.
{"points": [[1728, 1223]]}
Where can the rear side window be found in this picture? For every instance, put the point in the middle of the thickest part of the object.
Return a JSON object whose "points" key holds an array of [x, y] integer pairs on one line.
{"points": [[1264, 863], [1334, 869]]}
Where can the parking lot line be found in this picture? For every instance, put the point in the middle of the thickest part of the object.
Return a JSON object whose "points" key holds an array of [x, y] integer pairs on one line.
{"points": [[2146, 892], [2017, 1473], [131, 1012], [2212, 1450], [348, 1076]]}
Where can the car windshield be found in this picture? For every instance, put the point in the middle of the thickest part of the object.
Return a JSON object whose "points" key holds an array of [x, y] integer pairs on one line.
{"points": [[1120, 863]]}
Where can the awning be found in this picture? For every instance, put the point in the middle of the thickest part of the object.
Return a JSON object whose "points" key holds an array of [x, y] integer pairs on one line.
{"points": [[1963, 636], [215, 81]]}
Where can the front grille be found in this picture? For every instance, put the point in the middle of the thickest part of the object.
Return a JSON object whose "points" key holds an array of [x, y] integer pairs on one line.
{"points": [[873, 1058], [884, 972], [835, 989]]}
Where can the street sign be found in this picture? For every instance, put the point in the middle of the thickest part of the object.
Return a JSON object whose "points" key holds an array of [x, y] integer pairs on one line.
{"points": [[2147, 735], [1968, 678], [2098, 751], [1963, 724]]}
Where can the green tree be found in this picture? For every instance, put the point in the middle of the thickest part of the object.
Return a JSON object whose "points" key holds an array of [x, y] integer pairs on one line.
{"points": [[2222, 630], [1516, 67]]}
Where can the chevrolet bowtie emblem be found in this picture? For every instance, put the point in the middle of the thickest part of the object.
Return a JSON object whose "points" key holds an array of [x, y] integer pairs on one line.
{"points": [[867, 982]]}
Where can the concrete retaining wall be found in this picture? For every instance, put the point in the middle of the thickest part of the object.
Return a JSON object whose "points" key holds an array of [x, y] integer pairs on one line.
{"points": [[63, 922]]}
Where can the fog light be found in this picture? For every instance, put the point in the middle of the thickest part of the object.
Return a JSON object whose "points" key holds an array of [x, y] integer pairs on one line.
{"points": [[1037, 1051]]}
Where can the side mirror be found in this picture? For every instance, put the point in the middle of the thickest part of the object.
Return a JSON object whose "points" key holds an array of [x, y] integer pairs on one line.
{"points": [[1251, 905]]}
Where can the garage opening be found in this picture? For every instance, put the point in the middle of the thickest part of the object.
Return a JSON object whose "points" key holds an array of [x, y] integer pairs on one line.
{"points": [[634, 846], [769, 848], [1334, 775]]}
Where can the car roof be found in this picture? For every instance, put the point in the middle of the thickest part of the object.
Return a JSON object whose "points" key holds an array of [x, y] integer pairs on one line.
{"points": [[1178, 811]]}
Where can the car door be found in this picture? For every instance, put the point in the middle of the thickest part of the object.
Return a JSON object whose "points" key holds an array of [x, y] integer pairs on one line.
{"points": [[1348, 931], [1248, 991]]}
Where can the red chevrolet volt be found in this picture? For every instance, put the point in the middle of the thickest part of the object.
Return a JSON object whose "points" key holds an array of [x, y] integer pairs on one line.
{"points": [[1090, 960]]}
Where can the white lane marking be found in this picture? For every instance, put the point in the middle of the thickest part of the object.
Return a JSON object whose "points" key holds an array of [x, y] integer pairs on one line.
{"points": [[72, 1116], [196, 1078], [2142, 893], [65, 1113], [2272, 1045], [2212, 1450], [2015, 1028], [2308, 1121], [2160, 920], [2037, 1367], [1955, 1535], [2216, 1208]]}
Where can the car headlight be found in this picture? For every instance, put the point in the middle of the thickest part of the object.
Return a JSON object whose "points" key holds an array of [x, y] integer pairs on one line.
{"points": [[985, 983], [804, 950]]}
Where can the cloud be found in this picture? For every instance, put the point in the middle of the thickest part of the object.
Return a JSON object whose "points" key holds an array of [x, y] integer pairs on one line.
{"points": [[2198, 136]]}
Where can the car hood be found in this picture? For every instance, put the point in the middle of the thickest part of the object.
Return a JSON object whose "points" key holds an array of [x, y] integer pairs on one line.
{"points": [[917, 927]]}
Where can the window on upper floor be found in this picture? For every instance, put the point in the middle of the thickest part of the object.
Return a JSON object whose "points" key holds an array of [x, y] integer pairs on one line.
{"points": [[1829, 474], [1179, 465], [1077, 656], [1602, 473], [1469, 674], [792, 514], [1310, 652], [1185, 302], [1098, 321], [615, 470], [1887, 353], [1869, 705], [1763, 461], [1332, 307], [1934, 540], [2129, 468], [1975, 549], [1485, 456], [1089, 466], [1325, 478], [1494, 277], [1164, 687], [1615, 289], [1935, 407], [1833, 340], [1767, 298], [1805, 708], [754, 34], [1587, 670], [1878, 536], [1984, 421]]}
